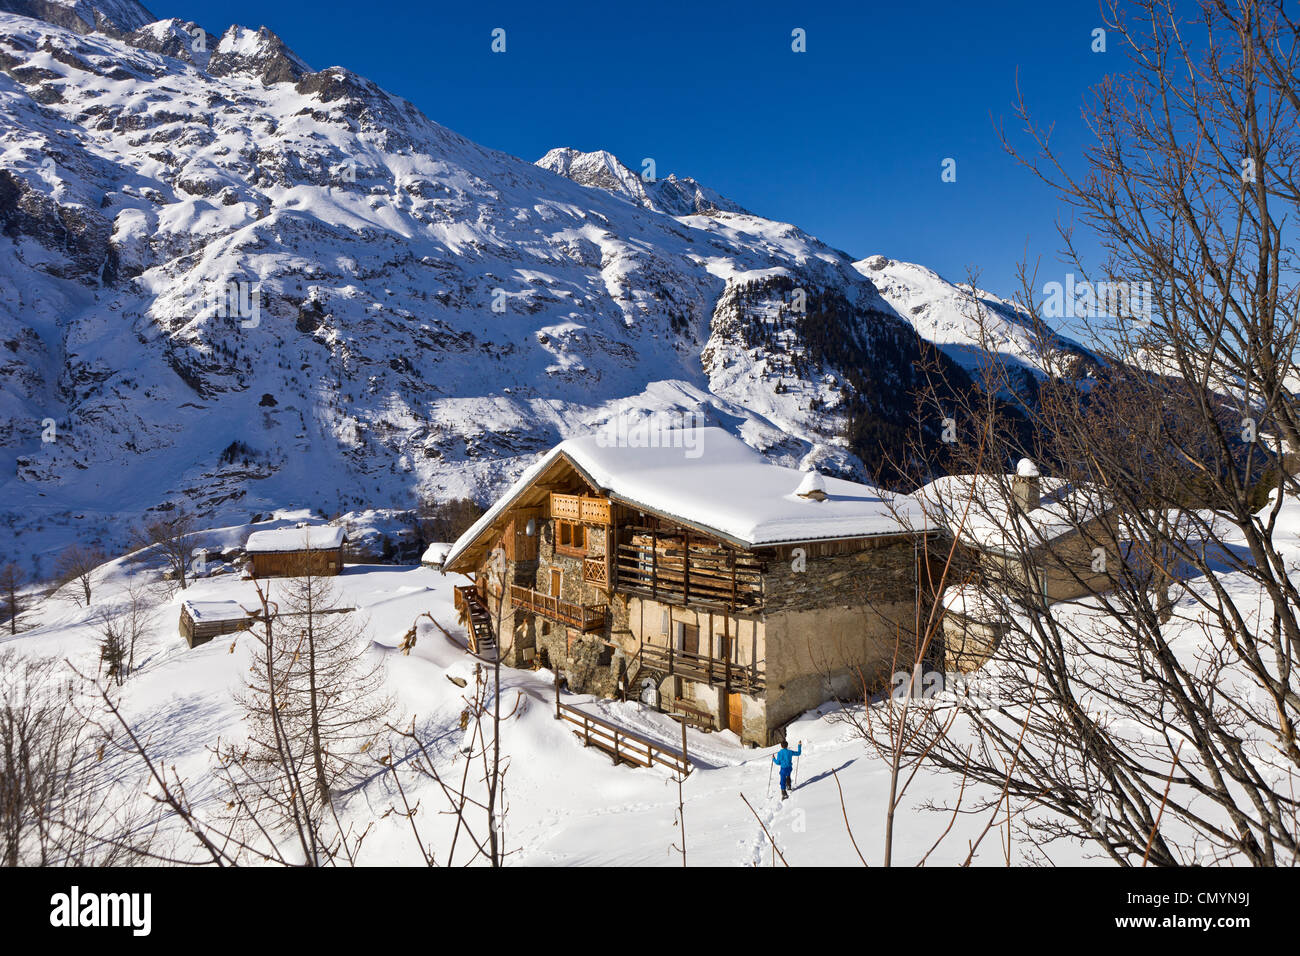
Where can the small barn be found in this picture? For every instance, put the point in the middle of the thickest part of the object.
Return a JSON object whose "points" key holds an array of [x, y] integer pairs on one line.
{"points": [[291, 552], [201, 621], [435, 555]]}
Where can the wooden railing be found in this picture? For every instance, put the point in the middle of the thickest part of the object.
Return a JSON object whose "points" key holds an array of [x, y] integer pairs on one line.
{"points": [[593, 571], [680, 570], [701, 667], [621, 744], [694, 715], [585, 616], [580, 508]]}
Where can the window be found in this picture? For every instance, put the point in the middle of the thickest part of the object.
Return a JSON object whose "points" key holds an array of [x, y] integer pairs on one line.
{"points": [[570, 538]]}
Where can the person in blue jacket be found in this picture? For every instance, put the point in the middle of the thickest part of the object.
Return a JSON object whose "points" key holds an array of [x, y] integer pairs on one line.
{"points": [[785, 760]]}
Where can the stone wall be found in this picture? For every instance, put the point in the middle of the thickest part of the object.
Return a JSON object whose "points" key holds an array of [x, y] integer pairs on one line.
{"points": [[968, 643], [883, 568], [589, 665], [1063, 565], [838, 624]]}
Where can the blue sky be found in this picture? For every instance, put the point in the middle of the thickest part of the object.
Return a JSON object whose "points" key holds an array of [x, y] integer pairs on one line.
{"points": [[846, 140]]}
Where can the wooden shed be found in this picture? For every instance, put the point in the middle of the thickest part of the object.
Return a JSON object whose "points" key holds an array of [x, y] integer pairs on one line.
{"points": [[201, 621], [435, 555], [290, 552]]}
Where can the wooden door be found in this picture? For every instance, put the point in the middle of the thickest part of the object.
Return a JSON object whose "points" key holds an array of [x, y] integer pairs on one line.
{"points": [[691, 638], [735, 714], [555, 583]]}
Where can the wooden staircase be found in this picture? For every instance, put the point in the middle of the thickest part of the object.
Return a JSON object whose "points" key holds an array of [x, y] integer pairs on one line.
{"points": [[482, 639], [637, 670]]}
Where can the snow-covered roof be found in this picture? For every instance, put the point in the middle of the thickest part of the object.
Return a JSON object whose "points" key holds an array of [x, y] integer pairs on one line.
{"points": [[311, 538], [436, 553], [210, 612], [988, 520], [709, 479]]}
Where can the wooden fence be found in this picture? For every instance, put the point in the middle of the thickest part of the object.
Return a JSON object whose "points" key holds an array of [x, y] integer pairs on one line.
{"points": [[580, 508], [622, 744]]}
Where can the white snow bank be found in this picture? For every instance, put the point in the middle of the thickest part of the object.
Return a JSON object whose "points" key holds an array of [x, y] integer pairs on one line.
{"points": [[970, 602]]}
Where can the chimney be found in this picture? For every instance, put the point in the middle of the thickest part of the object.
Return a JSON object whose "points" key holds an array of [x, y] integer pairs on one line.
{"points": [[812, 487], [1025, 489]]}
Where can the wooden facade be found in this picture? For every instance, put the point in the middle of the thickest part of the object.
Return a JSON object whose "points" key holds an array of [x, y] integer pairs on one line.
{"points": [[201, 631], [320, 562]]}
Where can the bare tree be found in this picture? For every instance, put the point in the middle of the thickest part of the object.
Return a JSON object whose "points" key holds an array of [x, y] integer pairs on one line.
{"points": [[13, 602], [476, 803], [57, 804], [445, 520], [77, 564], [171, 536], [917, 712], [1154, 716], [314, 709], [122, 624]]}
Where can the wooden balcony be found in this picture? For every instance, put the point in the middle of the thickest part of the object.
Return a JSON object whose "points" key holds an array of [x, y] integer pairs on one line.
{"points": [[583, 616], [687, 570], [701, 667], [594, 571], [580, 508]]}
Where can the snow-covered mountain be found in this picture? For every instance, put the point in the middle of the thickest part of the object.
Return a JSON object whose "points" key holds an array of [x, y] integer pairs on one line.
{"points": [[411, 313], [942, 313], [113, 17]]}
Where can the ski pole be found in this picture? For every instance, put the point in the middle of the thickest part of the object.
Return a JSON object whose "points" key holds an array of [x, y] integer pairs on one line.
{"points": [[769, 778]]}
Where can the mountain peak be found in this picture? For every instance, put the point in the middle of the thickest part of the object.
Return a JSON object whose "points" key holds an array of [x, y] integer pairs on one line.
{"points": [[260, 53], [601, 169], [115, 18]]}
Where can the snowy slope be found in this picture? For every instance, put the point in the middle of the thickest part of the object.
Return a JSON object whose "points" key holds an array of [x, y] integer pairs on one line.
{"points": [[114, 17], [566, 805], [412, 314], [947, 314]]}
